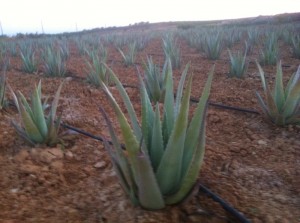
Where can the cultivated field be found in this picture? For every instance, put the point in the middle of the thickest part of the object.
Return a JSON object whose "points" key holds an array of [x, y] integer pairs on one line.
{"points": [[249, 161]]}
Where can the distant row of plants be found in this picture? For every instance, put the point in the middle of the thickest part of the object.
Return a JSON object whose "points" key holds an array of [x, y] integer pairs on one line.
{"points": [[89, 42], [281, 106], [53, 60], [54, 53], [212, 41]]}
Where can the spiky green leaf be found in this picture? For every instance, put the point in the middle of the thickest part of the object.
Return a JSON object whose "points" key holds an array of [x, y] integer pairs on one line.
{"points": [[169, 169], [157, 143]]}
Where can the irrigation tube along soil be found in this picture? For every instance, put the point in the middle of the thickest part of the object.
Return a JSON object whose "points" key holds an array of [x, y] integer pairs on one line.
{"points": [[227, 207], [224, 204]]}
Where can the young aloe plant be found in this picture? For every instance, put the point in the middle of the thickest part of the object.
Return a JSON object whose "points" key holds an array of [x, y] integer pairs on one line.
{"points": [[96, 69], [129, 57], [238, 64], [213, 46], [163, 156], [155, 80], [282, 106], [172, 50], [37, 128], [29, 62], [270, 52], [54, 62]]}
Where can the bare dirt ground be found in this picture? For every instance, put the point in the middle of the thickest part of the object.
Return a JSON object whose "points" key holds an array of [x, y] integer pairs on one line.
{"points": [[249, 162]]}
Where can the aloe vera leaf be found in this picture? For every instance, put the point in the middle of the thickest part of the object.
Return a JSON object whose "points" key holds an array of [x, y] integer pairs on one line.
{"points": [[31, 129], [292, 82], [38, 112], [122, 54], [148, 190], [55, 102], [180, 89], [52, 124], [119, 154], [157, 144], [169, 169], [128, 104], [22, 100], [263, 105], [147, 116], [22, 133], [193, 131], [271, 104], [149, 193], [15, 98], [262, 76], [130, 139], [192, 172], [120, 162], [279, 96], [292, 101], [168, 118]]}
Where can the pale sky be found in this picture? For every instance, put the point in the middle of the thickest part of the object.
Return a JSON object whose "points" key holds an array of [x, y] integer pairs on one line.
{"points": [[27, 16]]}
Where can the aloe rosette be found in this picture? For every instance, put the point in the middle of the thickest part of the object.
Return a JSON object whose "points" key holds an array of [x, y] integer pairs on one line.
{"points": [[37, 128], [163, 156], [129, 57], [282, 105], [238, 64]]}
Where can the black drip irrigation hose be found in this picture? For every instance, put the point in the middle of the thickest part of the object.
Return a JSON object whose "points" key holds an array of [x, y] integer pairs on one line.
{"points": [[236, 214], [233, 108], [227, 207], [211, 103], [227, 107]]}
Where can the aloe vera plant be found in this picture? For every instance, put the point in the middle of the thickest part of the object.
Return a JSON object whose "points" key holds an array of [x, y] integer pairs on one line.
{"points": [[172, 50], [238, 64], [36, 127], [163, 156], [97, 70], [129, 57], [282, 106], [54, 62], [155, 80], [213, 46], [270, 53], [29, 61]]}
